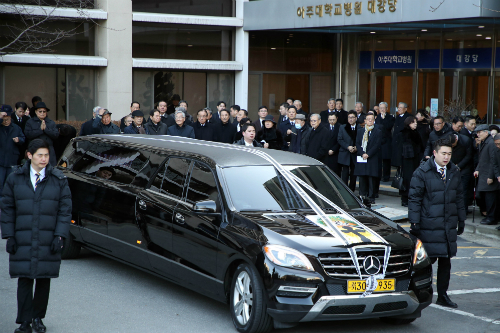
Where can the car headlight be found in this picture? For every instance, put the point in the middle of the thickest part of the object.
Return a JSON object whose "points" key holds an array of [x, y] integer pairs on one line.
{"points": [[287, 257], [420, 254]]}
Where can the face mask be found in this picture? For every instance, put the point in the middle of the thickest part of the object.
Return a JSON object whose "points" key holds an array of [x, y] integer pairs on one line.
{"points": [[298, 126]]}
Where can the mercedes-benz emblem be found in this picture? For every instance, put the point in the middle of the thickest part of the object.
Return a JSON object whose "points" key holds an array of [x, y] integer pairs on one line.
{"points": [[371, 265]]}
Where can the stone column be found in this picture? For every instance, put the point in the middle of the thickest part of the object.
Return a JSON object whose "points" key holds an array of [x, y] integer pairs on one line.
{"points": [[241, 50], [114, 42]]}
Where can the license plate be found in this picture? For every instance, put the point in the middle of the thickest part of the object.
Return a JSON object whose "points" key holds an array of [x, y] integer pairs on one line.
{"points": [[359, 286]]}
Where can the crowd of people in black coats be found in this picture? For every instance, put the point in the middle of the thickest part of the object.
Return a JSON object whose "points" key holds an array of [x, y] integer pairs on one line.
{"points": [[354, 144]]}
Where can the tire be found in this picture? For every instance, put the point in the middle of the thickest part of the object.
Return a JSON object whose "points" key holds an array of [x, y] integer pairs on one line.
{"points": [[397, 321], [71, 249], [248, 305]]}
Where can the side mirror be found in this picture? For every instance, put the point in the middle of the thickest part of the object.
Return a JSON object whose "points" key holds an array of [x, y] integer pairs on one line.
{"points": [[366, 201], [205, 207]]}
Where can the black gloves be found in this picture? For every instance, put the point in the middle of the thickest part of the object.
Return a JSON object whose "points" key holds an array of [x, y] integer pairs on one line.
{"points": [[461, 227], [11, 245], [415, 230], [57, 245]]}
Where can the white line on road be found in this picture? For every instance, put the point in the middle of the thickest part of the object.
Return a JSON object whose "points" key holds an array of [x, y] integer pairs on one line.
{"points": [[463, 313], [479, 257], [472, 291]]}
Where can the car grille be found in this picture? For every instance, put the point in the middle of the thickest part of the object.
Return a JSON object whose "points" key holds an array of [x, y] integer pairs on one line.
{"points": [[340, 264]]}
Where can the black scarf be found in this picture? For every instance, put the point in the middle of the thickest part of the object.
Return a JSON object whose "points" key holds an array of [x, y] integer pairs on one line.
{"points": [[352, 134]]}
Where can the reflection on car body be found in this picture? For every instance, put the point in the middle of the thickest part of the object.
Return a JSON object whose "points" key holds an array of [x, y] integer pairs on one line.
{"points": [[274, 234]]}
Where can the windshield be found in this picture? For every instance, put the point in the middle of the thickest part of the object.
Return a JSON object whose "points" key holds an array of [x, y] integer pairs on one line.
{"points": [[262, 188]]}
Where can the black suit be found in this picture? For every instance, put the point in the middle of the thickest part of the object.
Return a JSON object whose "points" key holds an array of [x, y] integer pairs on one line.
{"points": [[346, 138], [332, 160], [341, 116], [368, 172], [463, 158], [361, 118], [258, 125], [22, 147], [386, 124], [399, 124], [205, 132], [284, 127], [318, 144]]}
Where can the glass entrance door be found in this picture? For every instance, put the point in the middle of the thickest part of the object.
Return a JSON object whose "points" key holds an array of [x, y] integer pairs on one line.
{"points": [[475, 90]]}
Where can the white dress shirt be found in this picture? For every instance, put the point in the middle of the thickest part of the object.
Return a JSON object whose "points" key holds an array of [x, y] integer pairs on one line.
{"points": [[33, 176]]}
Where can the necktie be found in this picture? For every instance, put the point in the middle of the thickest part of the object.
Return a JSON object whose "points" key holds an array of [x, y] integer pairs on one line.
{"points": [[293, 123], [352, 127], [443, 176], [331, 127], [37, 181]]}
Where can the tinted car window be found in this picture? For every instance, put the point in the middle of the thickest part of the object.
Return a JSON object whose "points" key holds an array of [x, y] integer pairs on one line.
{"points": [[124, 164], [269, 190], [202, 184], [171, 177], [148, 169]]}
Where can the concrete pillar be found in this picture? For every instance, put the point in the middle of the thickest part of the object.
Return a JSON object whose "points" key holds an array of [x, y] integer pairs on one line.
{"points": [[114, 42], [241, 55]]}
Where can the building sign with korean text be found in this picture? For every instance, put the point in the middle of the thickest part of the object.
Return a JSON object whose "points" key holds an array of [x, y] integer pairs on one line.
{"points": [[347, 8]]}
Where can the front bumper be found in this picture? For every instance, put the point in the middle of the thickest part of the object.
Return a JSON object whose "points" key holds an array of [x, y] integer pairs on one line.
{"points": [[401, 304]]}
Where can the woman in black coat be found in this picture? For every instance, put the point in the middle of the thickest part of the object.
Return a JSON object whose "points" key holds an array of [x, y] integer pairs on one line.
{"points": [[410, 152], [270, 134], [423, 126]]}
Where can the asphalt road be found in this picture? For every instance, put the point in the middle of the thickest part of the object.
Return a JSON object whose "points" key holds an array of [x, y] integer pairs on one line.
{"points": [[96, 294]]}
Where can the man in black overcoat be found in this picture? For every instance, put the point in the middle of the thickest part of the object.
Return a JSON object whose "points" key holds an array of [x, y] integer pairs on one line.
{"points": [[486, 173], [399, 125], [333, 150], [435, 210], [335, 106], [347, 150], [35, 219], [318, 144], [463, 158], [41, 127], [202, 129], [368, 143], [359, 113], [385, 121], [441, 130]]}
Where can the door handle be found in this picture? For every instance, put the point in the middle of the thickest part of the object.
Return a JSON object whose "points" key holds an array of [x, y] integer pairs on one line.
{"points": [[142, 205], [180, 218]]}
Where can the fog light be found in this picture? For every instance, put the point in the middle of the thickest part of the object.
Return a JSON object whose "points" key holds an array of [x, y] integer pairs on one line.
{"points": [[139, 242]]}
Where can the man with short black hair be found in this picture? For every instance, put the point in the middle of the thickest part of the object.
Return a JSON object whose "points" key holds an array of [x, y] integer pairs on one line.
{"points": [[286, 126], [348, 150], [335, 106], [11, 138], [441, 130], [35, 235], [248, 139], [435, 210], [133, 107], [154, 125], [283, 114], [333, 151], [241, 114], [262, 115]]}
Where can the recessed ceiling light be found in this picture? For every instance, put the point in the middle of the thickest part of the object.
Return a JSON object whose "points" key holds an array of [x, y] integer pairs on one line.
{"points": [[479, 35], [273, 48], [372, 32], [190, 45], [424, 29], [412, 41], [481, 27], [488, 37], [379, 41], [449, 39]]}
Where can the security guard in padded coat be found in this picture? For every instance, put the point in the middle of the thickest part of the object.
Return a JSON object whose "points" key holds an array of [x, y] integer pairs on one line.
{"points": [[35, 218], [435, 209]]}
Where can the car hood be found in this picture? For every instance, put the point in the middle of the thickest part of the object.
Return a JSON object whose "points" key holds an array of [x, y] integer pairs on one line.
{"points": [[296, 230]]}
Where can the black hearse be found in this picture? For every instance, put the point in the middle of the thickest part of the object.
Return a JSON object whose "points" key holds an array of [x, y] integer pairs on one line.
{"points": [[276, 235]]}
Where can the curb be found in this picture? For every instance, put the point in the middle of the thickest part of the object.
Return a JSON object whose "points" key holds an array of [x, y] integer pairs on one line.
{"points": [[482, 231]]}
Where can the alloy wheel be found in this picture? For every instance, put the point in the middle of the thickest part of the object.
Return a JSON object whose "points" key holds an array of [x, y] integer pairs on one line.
{"points": [[243, 298]]}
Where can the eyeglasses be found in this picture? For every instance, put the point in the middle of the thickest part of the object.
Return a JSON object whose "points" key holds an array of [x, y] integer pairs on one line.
{"points": [[41, 111]]}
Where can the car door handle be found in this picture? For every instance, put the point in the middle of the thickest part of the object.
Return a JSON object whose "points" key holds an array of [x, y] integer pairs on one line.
{"points": [[142, 205], [179, 218]]}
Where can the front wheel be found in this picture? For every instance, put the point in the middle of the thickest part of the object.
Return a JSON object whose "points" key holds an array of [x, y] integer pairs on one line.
{"points": [[397, 321], [248, 305]]}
